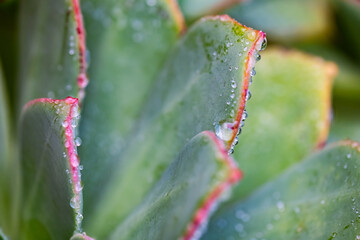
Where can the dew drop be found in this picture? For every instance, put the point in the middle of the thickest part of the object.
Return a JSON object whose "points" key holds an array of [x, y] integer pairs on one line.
{"points": [[79, 218], [224, 130], [65, 124], [248, 95], [263, 45], [231, 151], [244, 115], [233, 84], [232, 95], [78, 141], [74, 203], [348, 156], [252, 72], [232, 113], [71, 51], [281, 206], [236, 140]]}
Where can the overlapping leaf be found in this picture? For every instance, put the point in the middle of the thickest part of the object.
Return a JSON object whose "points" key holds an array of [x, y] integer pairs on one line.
{"points": [[50, 172], [204, 82], [316, 199], [289, 115], [181, 201]]}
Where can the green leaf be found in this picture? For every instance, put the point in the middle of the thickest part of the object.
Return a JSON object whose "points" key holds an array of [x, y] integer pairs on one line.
{"points": [[129, 42], [289, 115], [50, 170], [180, 203], [316, 199], [286, 20], [204, 82], [48, 50]]}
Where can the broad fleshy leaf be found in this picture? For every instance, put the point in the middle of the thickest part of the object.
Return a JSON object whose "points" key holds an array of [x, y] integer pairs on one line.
{"points": [[316, 199], [180, 203], [289, 115], [203, 86], [51, 206], [285, 20], [128, 42], [49, 56]]}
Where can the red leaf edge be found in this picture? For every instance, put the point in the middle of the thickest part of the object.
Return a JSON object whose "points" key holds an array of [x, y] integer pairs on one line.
{"points": [[203, 213], [74, 160]]}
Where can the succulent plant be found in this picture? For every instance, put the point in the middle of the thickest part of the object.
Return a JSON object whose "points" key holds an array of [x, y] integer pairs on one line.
{"points": [[156, 112]]}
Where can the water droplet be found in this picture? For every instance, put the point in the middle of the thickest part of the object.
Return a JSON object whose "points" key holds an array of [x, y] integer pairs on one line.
{"points": [[357, 237], [230, 68], [232, 95], [65, 124], [245, 48], [228, 102], [231, 151], [252, 72], [233, 84], [79, 218], [74, 203], [345, 166], [214, 53], [78, 187], [240, 54], [348, 156], [322, 201], [240, 214], [232, 113], [224, 130], [78, 141], [81, 167], [67, 144], [239, 130], [244, 115], [264, 44], [257, 57], [248, 95], [71, 51], [236, 140]]}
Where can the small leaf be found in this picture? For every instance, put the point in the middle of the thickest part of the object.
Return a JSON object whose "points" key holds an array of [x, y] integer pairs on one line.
{"points": [[51, 187], [316, 199], [189, 190], [285, 20], [289, 115], [203, 84]]}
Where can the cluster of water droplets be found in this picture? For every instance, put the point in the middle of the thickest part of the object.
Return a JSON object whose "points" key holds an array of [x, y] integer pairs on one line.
{"points": [[71, 143], [224, 129]]}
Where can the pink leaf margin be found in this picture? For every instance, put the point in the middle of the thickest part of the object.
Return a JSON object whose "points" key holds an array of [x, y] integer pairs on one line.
{"points": [[202, 214]]}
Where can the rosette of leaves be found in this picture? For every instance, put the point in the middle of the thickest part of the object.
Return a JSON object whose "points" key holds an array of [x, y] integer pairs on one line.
{"points": [[156, 127]]}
